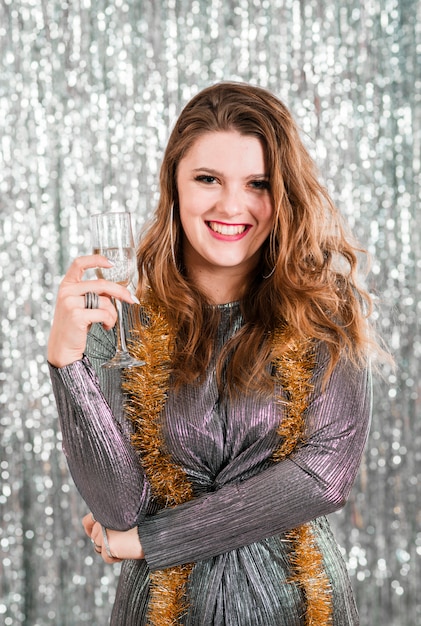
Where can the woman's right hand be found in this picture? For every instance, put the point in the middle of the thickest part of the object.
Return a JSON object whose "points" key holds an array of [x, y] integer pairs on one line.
{"points": [[72, 320]]}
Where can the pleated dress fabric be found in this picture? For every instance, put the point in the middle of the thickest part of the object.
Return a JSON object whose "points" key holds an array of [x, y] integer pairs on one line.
{"points": [[233, 531]]}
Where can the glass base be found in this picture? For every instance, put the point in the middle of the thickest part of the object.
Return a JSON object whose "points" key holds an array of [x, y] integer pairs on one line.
{"points": [[122, 359]]}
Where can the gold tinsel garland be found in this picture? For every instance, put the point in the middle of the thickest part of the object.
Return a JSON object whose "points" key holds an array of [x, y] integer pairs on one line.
{"points": [[294, 367], [147, 389]]}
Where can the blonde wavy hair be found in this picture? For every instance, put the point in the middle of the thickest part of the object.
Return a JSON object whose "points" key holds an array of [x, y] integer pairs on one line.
{"points": [[307, 275]]}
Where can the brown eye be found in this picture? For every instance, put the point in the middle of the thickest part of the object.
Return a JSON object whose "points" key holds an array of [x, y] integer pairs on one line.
{"points": [[260, 184], [204, 178]]}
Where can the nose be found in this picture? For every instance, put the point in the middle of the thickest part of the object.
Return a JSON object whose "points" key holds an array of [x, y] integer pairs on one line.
{"points": [[230, 201]]}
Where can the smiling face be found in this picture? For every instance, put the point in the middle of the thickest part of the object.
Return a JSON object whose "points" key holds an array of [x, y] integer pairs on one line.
{"points": [[225, 210]]}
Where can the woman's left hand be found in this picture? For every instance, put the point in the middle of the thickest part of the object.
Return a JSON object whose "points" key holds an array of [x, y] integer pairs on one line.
{"points": [[122, 544]]}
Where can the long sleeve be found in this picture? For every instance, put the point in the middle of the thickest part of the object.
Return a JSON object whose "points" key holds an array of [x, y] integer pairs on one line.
{"points": [[104, 465], [314, 481]]}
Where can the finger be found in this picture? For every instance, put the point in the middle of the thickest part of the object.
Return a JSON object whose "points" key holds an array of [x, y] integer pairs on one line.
{"points": [[99, 286], [80, 318], [74, 276], [96, 534], [71, 302], [110, 560], [109, 319], [106, 317], [87, 523], [83, 263], [98, 544], [73, 308], [104, 304], [73, 297]]}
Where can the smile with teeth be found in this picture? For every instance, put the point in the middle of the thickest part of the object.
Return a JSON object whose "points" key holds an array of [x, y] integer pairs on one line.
{"points": [[227, 229]]}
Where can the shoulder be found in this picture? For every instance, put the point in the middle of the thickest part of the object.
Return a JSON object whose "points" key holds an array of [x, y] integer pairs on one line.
{"points": [[344, 375]]}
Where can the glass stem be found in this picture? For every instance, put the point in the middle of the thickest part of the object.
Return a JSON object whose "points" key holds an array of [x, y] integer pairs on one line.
{"points": [[121, 338]]}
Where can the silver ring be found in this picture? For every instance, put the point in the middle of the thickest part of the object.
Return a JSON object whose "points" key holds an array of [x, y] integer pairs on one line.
{"points": [[91, 300]]}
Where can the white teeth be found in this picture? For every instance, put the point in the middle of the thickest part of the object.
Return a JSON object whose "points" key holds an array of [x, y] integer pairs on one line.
{"points": [[225, 229]]}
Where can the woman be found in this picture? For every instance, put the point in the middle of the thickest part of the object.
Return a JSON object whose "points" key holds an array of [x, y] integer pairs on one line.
{"points": [[210, 470]]}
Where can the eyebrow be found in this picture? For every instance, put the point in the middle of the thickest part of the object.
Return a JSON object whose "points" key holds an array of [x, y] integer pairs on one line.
{"points": [[210, 170]]}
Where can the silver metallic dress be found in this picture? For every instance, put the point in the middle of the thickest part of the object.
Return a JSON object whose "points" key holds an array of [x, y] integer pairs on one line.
{"points": [[234, 528]]}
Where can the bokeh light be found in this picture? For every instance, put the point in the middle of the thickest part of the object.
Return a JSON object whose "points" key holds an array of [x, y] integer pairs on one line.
{"points": [[88, 94]]}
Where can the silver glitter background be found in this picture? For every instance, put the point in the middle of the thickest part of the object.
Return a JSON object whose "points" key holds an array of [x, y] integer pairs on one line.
{"points": [[88, 92]]}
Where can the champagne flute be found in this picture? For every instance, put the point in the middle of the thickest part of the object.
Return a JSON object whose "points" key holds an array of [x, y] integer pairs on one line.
{"points": [[113, 238]]}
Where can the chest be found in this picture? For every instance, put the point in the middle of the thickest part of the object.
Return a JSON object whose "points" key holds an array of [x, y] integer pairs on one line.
{"points": [[217, 439]]}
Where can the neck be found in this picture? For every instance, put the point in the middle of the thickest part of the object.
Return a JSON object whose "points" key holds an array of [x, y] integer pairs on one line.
{"points": [[219, 287]]}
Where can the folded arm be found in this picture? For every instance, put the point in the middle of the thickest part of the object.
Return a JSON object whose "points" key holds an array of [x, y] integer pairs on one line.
{"points": [[314, 481]]}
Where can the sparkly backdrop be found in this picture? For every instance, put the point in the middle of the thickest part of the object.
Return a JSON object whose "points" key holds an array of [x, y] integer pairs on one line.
{"points": [[88, 92]]}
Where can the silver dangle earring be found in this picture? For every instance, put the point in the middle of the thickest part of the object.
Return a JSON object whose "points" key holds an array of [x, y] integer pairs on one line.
{"points": [[272, 250], [172, 235], [270, 273]]}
